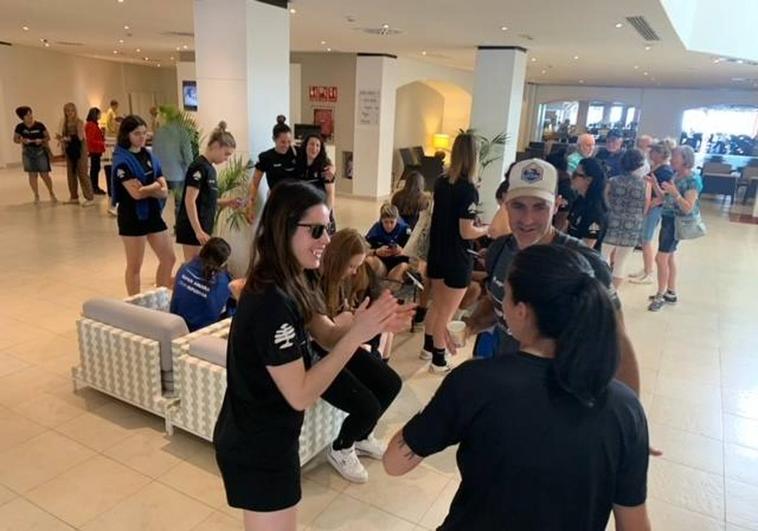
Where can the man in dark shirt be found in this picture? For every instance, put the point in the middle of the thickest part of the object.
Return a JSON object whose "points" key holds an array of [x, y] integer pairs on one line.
{"points": [[610, 155]]}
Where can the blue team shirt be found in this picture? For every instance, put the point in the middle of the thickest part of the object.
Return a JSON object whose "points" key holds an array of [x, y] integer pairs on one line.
{"points": [[198, 301], [377, 236]]}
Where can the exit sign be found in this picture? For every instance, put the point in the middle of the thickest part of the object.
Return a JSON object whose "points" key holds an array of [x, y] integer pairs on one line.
{"points": [[319, 93]]}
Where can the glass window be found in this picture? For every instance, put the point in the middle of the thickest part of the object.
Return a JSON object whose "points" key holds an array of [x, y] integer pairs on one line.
{"points": [[617, 111], [630, 112], [594, 114]]}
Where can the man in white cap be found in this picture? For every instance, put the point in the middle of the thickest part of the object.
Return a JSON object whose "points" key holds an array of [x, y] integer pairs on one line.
{"points": [[531, 203]]}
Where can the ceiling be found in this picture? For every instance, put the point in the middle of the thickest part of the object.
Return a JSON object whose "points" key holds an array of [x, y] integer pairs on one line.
{"points": [[568, 42]]}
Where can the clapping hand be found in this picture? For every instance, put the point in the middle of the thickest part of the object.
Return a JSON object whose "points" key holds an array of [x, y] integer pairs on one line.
{"points": [[385, 314]]}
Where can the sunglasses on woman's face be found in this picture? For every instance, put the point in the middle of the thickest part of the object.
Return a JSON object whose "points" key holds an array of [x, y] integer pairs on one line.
{"points": [[317, 229]]}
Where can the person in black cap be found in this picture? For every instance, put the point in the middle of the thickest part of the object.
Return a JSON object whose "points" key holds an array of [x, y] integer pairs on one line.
{"points": [[610, 155]]}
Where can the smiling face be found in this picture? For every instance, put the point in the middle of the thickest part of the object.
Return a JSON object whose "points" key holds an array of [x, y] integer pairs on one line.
{"points": [[313, 148], [530, 219], [356, 261], [283, 142], [137, 137], [307, 249]]}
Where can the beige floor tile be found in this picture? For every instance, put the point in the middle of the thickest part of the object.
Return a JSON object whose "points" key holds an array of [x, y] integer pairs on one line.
{"points": [[349, 514], [15, 429], [320, 471], [27, 384], [703, 420], [10, 364], [741, 504], [198, 477], [741, 464], [315, 499], [20, 515], [688, 448], [441, 506], [6, 495], [154, 508], [39, 460], [684, 390], [48, 410], [409, 496], [667, 517], [100, 481], [218, 521], [687, 488], [154, 454], [740, 430], [741, 402]]}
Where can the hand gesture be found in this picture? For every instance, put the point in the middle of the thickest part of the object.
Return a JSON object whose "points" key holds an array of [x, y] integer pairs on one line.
{"points": [[669, 187], [384, 315], [202, 237]]}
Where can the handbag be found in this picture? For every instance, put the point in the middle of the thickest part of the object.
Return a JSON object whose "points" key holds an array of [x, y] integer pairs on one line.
{"points": [[418, 242], [689, 227]]}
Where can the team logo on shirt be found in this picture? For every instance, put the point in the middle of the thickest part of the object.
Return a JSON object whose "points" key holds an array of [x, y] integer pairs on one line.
{"points": [[284, 336], [594, 227], [532, 174], [120, 173], [197, 175], [149, 163], [472, 208]]}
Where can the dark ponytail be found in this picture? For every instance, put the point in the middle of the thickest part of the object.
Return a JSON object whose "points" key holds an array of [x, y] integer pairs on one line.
{"points": [[213, 257], [573, 308], [281, 126]]}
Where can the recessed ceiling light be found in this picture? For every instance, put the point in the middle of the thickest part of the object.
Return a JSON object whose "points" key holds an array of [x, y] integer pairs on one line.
{"points": [[139, 50], [25, 28], [158, 65], [619, 25], [386, 26], [323, 43], [47, 45], [544, 72], [115, 52], [120, 1], [534, 59], [126, 27], [293, 10], [184, 46], [121, 41], [328, 49], [145, 58], [178, 48], [636, 67], [423, 52], [576, 58], [645, 74], [503, 28], [648, 48]]}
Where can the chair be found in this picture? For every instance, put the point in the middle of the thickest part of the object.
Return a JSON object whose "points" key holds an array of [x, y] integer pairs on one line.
{"points": [[719, 180], [749, 181]]}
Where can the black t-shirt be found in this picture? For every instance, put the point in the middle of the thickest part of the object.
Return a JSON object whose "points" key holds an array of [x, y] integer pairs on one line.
{"points": [[256, 424], [452, 202], [664, 173], [35, 132], [530, 455], [313, 173], [127, 205], [201, 175], [611, 161], [587, 219], [278, 167]]}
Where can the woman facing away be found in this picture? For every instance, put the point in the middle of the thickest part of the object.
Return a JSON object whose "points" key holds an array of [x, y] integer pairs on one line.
{"points": [[270, 378], [450, 262], [548, 440], [197, 210], [140, 191], [74, 143], [95, 148], [628, 196], [366, 386], [35, 151], [680, 199], [412, 199]]}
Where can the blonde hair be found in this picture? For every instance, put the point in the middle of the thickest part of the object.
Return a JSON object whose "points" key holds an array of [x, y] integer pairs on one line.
{"points": [[389, 211], [338, 291], [464, 158], [221, 136], [69, 105]]}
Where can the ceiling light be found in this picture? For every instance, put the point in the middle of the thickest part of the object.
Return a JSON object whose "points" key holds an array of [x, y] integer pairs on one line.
{"points": [[534, 59], [126, 27], [120, 1], [544, 72], [115, 52], [47, 45], [323, 43], [503, 28], [139, 50], [386, 26], [636, 67], [328, 49], [576, 58], [645, 74], [145, 58], [178, 48], [121, 41], [293, 10], [648, 48], [171, 58], [25, 28], [619, 25], [423, 52], [184, 46], [158, 65]]}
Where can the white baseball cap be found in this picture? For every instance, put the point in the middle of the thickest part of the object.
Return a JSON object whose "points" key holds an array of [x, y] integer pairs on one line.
{"points": [[532, 178]]}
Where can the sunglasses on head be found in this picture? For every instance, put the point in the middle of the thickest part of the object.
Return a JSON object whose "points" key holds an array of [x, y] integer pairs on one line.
{"points": [[317, 230]]}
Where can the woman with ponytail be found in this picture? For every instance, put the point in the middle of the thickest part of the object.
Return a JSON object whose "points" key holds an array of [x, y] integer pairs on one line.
{"points": [[197, 211], [547, 438]]}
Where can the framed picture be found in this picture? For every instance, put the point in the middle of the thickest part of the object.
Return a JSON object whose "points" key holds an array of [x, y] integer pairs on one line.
{"points": [[324, 118], [189, 95]]}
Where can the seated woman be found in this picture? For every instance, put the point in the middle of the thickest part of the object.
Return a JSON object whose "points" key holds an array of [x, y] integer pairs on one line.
{"points": [[387, 238], [547, 438], [412, 200], [366, 387], [204, 291]]}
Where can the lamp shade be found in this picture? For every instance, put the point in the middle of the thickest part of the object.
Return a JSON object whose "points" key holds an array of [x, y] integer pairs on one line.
{"points": [[441, 141]]}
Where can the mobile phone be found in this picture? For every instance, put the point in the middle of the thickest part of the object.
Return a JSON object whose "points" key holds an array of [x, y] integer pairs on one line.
{"points": [[393, 245]]}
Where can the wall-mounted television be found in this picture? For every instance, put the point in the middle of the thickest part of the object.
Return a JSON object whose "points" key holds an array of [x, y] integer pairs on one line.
{"points": [[189, 95]]}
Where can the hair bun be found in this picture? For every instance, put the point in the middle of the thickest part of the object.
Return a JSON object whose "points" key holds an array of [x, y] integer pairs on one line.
{"points": [[222, 126], [281, 119]]}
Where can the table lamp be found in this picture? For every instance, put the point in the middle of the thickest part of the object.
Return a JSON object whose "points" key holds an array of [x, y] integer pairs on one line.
{"points": [[441, 141]]}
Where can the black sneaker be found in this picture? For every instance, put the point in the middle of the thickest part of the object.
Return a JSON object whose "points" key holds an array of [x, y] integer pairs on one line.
{"points": [[657, 303], [669, 297]]}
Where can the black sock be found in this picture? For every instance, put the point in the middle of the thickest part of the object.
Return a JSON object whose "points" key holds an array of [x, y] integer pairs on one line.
{"points": [[438, 356], [428, 342]]}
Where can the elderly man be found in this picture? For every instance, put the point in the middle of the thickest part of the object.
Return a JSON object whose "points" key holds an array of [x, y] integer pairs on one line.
{"points": [[585, 148], [644, 143]]}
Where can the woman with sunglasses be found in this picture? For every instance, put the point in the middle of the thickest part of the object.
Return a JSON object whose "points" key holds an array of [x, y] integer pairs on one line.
{"points": [[270, 382], [588, 217]]}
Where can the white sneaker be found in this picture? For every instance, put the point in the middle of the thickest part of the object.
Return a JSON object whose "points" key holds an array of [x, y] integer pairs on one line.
{"points": [[112, 211], [644, 279], [346, 463], [88, 202], [425, 355], [371, 447], [638, 274], [440, 369]]}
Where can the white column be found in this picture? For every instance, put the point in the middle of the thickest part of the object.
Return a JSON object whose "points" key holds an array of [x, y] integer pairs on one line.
{"points": [[581, 117], [374, 132], [496, 107], [242, 65]]}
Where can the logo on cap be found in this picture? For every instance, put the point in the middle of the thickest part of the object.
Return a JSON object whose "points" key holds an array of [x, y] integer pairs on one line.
{"points": [[532, 174]]}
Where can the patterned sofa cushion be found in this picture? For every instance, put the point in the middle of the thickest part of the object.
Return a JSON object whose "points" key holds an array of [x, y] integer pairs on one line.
{"points": [[209, 348], [152, 324]]}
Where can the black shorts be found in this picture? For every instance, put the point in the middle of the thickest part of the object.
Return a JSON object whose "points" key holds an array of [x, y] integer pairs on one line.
{"points": [[391, 262], [257, 488], [185, 234], [455, 278], [132, 226], [667, 241]]}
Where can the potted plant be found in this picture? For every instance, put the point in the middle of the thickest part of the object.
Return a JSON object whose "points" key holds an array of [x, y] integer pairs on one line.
{"points": [[489, 151], [231, 223]]}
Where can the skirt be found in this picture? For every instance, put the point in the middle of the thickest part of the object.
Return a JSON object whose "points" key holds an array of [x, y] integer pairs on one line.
{"points": [[35, 159]]}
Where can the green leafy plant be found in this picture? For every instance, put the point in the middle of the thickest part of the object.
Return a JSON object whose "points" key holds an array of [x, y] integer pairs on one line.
{"points": [[233, 183], [487, 151], [170, 114]]}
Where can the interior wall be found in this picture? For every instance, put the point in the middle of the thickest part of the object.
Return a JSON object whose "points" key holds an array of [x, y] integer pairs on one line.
{"points": [[46, 80], [661, 109], [419, 114]]}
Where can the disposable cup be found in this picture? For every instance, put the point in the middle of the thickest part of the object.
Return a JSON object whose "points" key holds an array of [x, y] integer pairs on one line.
{"points": [[457, 330]]}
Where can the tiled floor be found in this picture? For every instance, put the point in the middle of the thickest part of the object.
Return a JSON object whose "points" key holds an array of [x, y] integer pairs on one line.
{"points": [[85, 461]]}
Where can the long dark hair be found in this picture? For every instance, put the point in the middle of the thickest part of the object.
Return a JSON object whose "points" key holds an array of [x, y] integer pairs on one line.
{"points": [[573, 308], [93, 115], [128, 124], [213, 257], [321, 160], [411, 199], [272, 261], [596, 191]]}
